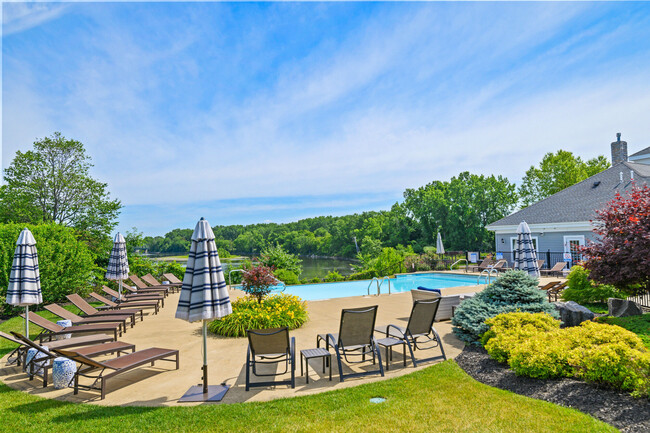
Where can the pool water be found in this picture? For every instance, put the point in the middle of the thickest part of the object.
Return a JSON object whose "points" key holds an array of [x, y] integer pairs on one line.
{"points": [[401, 283]]}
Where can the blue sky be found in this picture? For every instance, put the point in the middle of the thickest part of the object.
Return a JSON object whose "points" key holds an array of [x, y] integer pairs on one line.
{"points": [[254, 112]]}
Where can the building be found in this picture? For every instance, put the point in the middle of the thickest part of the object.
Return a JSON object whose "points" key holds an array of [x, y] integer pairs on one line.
{"points": [[562, 222]]}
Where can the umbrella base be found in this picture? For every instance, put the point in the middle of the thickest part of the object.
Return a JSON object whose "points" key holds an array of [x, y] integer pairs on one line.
{"points": [[195, 394]]}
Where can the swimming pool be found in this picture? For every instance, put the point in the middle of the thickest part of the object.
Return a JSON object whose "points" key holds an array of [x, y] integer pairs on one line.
{"points": [[401, 283]]}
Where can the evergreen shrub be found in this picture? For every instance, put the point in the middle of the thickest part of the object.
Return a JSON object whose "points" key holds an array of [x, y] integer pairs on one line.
{"points": [[583, 290]]}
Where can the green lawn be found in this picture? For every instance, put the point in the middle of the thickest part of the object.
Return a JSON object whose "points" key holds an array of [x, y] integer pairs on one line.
{"points": [[441, 398], [640, 325]]}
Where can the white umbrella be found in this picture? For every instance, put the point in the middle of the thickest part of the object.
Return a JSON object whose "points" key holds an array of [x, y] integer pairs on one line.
{"points": [[525, 254], [440, 248], [118, 264], [204, 296], [25, 282]]}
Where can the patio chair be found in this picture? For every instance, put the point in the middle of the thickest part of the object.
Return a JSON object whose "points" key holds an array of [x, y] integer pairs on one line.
{"points": [[554, 292], [547, 286], [134, 297], [128, 304], [485, 264], [91, 311], [555, 270], [540, 264], [354, 339], [141, 287], [58, 310], [115, 366], [270, 346], [173, 279], [51, 329], [447, 303], [419, 333], [149, 279], [39, 364]]}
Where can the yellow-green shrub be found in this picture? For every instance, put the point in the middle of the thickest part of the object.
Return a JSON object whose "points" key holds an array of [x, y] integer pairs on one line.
{"points": [[535, 346], [274, 311]]}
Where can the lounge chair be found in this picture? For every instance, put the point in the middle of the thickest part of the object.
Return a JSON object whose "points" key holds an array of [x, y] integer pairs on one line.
{"points": [[128, 305], [91, 311], [270, 346], [485, 264], [355, 339], [114, 366], [554, 292], [20, 351], [51, 329], [501, 265], [173, 279], [547, 286], [447, 303], [40, 365], [149, 279], [540, 264], [141, 287], [419, 331], [555, 270], [78, 320], [134, 297]]}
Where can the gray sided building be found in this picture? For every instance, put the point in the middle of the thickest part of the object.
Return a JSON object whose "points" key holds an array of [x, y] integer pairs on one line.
{"points": [[563, 222]]}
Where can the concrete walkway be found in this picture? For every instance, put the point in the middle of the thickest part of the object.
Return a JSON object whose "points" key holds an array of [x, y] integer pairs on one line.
{"points": [[162, 386]]}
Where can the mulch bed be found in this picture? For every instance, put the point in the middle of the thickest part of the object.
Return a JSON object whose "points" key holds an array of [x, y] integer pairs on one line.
{"points": [[628, 414]]}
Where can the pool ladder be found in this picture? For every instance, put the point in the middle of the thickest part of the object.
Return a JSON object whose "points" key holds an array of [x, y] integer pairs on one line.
{"points": [[379, 282], [451, 267], [487, 273]]}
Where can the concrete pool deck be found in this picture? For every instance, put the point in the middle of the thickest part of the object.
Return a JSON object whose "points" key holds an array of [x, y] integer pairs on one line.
{"points": [[163, 386]]}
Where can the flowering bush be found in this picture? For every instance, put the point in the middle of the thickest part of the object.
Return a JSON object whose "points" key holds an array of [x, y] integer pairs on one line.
{"points": [[257, 281], [535, 346], [274, 311]]}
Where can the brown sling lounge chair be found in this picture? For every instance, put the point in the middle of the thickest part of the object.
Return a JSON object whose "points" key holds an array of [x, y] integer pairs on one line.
{"points": [[78, 320], [141, 287], [554, 292], [270, 346], [555, 270], [485, 264], [114, 366], [131, 304], [547, 286], [91, 311], [149, 279], [419, 333], [355, 339], [173, 279], [45, 355], [134, 297], [51, 329]]}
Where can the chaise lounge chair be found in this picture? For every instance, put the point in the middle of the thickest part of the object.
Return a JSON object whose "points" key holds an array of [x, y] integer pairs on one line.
{"points": [[141, 287], [114, 366], [554, 292], [447, 303], [130, 304], [485, 264], [547, 286], [40, 364], [78, 320], [149, 279], [51, 329], [91, 311], [173, 279], [134, 297], [355, 339], [418, 332], [270, 346], [555, 270]]}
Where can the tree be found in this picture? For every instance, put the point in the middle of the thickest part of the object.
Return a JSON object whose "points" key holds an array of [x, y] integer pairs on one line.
{"points": [[556, 172], [51, 183], [277, 258], [622, 256]]}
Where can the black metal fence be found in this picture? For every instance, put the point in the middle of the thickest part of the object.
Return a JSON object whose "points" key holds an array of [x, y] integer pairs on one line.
{"points": [[550, 258]]}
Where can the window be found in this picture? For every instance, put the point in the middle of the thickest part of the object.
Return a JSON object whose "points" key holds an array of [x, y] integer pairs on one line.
{"points": [[513, 243]]}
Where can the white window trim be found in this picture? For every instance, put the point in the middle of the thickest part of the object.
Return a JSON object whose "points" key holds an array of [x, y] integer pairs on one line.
{"points": [[513, 242], [580, 238]]}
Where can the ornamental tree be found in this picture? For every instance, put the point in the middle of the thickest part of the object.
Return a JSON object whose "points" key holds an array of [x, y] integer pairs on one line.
{"points": [[258, 281], [622, 256]]}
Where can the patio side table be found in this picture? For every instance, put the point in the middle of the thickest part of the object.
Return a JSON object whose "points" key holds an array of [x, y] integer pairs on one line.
{"points": [[319, 352], [388, 344]]}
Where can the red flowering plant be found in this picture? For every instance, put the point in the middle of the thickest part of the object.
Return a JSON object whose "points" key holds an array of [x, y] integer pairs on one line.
{"points": [[258, 281], [622, 256]]}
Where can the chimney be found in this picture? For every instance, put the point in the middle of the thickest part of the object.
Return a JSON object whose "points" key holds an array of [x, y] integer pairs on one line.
{"points": [[619, 150]]}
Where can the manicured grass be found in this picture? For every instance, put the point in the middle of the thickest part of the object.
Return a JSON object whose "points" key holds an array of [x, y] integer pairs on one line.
{"points": [[441, 398], [640, 325]]}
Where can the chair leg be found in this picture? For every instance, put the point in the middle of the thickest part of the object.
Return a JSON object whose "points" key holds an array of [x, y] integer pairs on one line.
{"points": [[248, 370]]}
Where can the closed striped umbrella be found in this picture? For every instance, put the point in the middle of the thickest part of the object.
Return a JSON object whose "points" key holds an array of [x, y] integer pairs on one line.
{"points": [[118, 264], [204, 296], [525, 254], [440, 248], [24, 281]]}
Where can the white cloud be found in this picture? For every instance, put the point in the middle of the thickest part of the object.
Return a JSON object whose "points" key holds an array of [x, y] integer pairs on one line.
{"points": [[21, 16]]}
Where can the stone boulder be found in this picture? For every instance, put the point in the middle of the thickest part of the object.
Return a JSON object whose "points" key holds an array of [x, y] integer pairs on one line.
{"points": [[622, 308], [573, 314]]}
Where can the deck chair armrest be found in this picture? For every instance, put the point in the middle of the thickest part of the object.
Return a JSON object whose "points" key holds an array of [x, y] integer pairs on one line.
{"points": [[332, 341], [400, 332]]}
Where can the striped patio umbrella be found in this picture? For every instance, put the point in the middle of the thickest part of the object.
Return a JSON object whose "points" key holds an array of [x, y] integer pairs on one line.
{"points": [[440, 248], [525, 254], [24, 281], [118, 264], [204, 296]]}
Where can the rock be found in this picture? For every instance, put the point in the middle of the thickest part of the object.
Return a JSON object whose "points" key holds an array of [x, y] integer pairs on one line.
{"points": [[623, 308], [573, 314]]}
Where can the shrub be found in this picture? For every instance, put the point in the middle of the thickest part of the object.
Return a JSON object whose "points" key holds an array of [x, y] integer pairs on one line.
{"points": [[277, 258], [273, 312], [363, 275], [287, 277], [258, 281], [583, 291], [315, 280], [66, 265], [512, 291], [535, 346], [333, 276]]}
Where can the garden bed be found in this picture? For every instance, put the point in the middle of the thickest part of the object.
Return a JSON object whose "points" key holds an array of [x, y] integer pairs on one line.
{"points": [[613, 407]]}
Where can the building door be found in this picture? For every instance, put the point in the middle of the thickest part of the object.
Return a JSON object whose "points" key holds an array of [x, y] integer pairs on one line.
{"points": [[572, 246]]}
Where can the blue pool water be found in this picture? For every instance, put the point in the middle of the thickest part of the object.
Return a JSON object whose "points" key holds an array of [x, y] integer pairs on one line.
{"points": [[401, 283]]}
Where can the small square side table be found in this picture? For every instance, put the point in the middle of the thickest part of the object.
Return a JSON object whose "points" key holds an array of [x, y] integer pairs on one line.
{"points": [[319, 352]]}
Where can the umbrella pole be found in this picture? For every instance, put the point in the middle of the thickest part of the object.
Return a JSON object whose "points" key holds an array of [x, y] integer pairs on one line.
{"points": [[27, 321], [120, 289], [205, 357]]}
